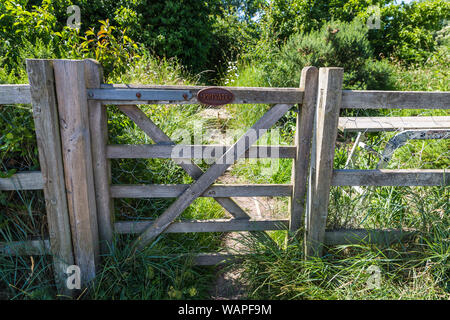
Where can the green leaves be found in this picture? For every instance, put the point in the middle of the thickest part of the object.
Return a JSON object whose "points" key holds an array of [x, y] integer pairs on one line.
{"points": [[336, 44]]}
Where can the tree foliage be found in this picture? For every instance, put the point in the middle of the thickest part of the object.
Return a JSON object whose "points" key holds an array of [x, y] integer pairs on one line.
{"points": [[336, 44]]}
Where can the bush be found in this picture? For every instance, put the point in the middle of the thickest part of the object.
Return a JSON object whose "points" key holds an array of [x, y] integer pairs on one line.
{"points": [[409, 31], [21, 27], [337, 44], [181, 29], [283, 18]]}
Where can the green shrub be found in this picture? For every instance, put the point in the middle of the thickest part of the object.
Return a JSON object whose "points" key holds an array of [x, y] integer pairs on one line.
{"points": [[181, 29], [35, 32], [337, 44], [408, 31], [433, 75], [19, 26]]}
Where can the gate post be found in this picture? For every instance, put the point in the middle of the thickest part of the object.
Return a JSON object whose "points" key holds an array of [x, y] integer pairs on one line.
{"points": [[303, 137], [322, 157], [46, 122], [98, 122], [79, 177]]}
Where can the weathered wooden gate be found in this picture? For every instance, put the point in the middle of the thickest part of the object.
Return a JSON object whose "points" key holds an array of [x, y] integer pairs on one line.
{"points": [[69, 106], [81, 104]]}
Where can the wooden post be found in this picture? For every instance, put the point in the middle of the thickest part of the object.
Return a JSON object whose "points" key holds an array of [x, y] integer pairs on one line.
{"points": [[79, 176], [325, 133], [303, 137], [102, 168], [45, 113]]}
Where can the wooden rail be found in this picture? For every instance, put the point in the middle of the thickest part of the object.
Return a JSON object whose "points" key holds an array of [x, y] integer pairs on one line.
{"points": [[215, 190], [127, 94], [332, 238], [375, 124], [385, 177], [15, 93], [356, 99], [351, 99], [31, 180], [213, 225], [192, 151]]}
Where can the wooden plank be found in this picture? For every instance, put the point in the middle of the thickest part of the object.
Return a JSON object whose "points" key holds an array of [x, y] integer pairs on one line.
{"points": [[158, 136], [303, 137], [26, 248], [359, 99], [374, 124], [215, 190], [332, 238], [161, 151], [215, 225], [368, 236], [327, 114], [385, 177], [98, 125], [215, 171], [15, 93], [76, 147], [46, 123], [109, 94], [31, 180]]}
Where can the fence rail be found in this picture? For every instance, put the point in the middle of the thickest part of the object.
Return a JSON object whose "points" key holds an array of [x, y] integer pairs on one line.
{"points": [[193, 151], [31, 180], [351, 99], [15, 94], [149, 94], [69, 104], [355, 99]]}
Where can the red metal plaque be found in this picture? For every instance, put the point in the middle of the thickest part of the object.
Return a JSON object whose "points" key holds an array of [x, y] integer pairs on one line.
{"points": [[215, 96]]}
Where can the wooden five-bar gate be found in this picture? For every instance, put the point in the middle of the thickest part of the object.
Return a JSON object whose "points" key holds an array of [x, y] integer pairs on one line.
{"points": [[69, 106]]}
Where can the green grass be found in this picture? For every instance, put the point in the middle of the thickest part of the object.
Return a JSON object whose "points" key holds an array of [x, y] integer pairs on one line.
{"points": [[417, 270], [165, 269]]}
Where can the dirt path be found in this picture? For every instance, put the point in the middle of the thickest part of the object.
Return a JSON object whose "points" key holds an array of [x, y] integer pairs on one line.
{"points": [[229, 285]]}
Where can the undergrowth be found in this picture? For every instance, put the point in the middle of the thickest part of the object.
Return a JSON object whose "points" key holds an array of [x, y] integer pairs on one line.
{"points": [[414, 270]]}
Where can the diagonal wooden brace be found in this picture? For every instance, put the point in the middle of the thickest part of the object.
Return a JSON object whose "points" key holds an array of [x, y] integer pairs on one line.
{"points": [[215, 171], [158, 136]]}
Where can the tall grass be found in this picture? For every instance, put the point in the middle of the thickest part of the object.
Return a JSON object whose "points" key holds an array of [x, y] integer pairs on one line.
{"points": [[165, 269], [405, 272], [414, 270]]}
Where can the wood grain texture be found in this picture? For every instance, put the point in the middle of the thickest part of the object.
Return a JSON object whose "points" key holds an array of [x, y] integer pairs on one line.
{"points": [[46, 122], [381, 237], [241, 95], [179, 151], [98, 125], [374, 124], [303, 137], [359, 99], [368, 236], [215, 171], [212, 225], [15, 93], [327, 116], [385, 177], [77, 157], [27, 248], [215, 190], [158, 136], [31, 180], [332, 238]]}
